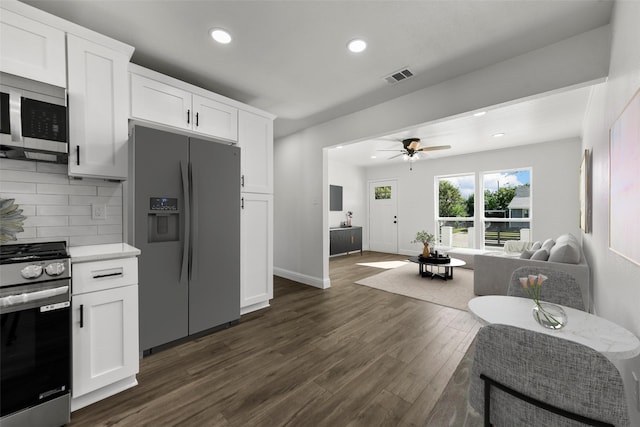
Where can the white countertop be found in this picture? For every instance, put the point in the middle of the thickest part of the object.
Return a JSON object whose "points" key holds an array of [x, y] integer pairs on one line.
{"points": [[613, 341], [102, 252]]}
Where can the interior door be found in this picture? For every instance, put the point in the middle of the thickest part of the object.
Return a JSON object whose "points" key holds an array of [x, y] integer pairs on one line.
{"points": [[383, 216], [160, 158], [214, 286]]}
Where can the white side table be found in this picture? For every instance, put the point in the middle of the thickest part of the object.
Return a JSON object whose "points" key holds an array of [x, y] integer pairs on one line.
{"points": [[613, 341]]}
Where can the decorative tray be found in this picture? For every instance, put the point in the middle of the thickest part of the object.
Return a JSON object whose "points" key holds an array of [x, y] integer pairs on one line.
{"points": [[436, 260]]}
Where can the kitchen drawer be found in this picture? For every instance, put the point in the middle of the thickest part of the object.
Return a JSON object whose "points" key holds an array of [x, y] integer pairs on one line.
{"points": [[101, 275]]}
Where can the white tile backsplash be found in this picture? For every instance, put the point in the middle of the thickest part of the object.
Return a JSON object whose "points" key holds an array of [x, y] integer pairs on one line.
{"points": [[58, 207], [81, 190]]}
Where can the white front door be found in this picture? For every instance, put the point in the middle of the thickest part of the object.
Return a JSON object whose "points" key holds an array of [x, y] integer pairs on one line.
{"points": [[383, 216]]}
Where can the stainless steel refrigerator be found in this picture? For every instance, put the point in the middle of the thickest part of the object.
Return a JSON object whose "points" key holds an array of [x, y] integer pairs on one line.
{"points": [[184, 199]]}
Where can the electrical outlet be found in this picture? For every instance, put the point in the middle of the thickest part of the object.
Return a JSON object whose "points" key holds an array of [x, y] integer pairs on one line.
{"points": [[98, 211], [637, 387]]}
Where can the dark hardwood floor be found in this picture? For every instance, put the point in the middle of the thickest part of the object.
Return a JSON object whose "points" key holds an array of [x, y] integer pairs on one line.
{"points": [[346, 356]]}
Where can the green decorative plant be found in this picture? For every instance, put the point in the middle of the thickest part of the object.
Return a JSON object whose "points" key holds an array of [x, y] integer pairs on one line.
{"points": [[424, 237], [11, 220]]}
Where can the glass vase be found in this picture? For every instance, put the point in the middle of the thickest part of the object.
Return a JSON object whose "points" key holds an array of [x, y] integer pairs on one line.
{"points": [[549, 315]]}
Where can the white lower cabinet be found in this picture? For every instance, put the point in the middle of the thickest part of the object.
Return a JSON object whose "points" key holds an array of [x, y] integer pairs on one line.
{"points": [[256, 245], [105, 338], [104, 329]]}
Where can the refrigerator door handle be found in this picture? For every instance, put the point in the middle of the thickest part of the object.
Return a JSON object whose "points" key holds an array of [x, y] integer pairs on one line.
{"points": [[193, 259], [187, 222]]}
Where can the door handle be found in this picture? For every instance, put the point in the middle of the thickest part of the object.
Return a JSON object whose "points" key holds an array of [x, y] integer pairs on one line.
{"points": [[187, 222], [82, 315], [197, 119], [77, 155], [188, 116], [195, 223]]}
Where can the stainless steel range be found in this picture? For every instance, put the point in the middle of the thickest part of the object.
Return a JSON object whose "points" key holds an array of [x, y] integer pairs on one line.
{"points": [[35, 347]]}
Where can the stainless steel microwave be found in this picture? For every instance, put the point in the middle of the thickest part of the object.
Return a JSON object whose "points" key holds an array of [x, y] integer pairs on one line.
{"points": [[33, 120]]}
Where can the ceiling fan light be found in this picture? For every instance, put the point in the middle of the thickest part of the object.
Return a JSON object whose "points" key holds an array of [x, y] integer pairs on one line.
{"points": [[405, 157]]}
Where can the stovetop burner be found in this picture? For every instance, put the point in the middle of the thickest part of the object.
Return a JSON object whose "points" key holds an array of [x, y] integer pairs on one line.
{"points": [[21, 252]]}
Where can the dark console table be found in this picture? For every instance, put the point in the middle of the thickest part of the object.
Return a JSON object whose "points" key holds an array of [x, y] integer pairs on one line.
{"points": [[345, 239]]}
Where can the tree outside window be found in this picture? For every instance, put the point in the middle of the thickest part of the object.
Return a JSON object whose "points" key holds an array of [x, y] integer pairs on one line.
{"points": [[507, 196], [456, 210]]}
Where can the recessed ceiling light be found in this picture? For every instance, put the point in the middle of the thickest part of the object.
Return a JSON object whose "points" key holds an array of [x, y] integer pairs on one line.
{"points": [[220, 35], [373, 157], [479, 113], [498, 135], [357, 45], [339, 147]]}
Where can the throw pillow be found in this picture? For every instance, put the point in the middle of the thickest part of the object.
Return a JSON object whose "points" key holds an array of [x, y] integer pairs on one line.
{"points": [[548, 244], [540, 255], [536, 245], [568, 253], [526, 254]]}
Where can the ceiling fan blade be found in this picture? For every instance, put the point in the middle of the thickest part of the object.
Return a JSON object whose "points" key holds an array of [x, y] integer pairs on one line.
{"points": [[435, 147], [402, 151], [397, 155]]}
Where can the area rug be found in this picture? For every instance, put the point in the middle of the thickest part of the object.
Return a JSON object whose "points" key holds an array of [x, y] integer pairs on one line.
{"points": [[406, 281]]}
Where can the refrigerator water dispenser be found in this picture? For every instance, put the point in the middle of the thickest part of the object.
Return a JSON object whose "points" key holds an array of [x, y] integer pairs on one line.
{"points": [[163, 220]]}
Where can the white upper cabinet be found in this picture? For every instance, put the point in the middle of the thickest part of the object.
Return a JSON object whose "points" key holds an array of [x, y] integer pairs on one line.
{"points": [[158, 102], [214, 118], [31, 49], [98, 97], [169, 105], [255, 138]]}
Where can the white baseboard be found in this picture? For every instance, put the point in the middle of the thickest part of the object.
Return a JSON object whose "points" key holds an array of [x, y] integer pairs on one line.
{"points": [[102, 393], [316, 282], [254, 307]]}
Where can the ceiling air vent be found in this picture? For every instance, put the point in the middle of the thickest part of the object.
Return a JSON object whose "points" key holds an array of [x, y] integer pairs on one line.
{"points": [[398, 76]]}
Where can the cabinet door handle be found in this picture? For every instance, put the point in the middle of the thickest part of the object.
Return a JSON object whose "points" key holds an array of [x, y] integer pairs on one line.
{"points": [[188, 116], [102, 276], [82, 315], [197, 119], [242, 203], [242, 181], [78, 155]]}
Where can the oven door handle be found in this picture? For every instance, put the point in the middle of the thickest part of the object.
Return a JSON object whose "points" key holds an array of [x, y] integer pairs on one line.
{"points": [[27, 297]]}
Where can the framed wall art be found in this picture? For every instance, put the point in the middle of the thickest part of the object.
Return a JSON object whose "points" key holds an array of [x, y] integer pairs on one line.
{"points": [[585, 192], [624, 182]]}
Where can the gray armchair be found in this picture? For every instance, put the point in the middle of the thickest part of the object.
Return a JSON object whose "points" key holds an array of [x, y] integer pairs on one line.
{"points": [[560, 287], [555, 381]]}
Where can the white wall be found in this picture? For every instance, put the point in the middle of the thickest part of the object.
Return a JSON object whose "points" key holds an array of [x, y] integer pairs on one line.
{"points": [[301, 225], [554, 184], [354, 193], [58, 207], [616, 281]]}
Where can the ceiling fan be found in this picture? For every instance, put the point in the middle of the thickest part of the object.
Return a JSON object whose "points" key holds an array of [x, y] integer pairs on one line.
{"points": [[411, 151]]}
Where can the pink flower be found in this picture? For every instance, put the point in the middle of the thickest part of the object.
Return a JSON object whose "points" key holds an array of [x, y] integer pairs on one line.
{"points": [[523, 282]]}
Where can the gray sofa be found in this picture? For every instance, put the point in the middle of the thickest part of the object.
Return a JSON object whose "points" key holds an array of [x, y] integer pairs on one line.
{"points": [[492, 272]]}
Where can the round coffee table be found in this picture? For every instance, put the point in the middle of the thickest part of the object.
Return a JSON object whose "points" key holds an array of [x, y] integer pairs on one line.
{"points": [[433, 269]]}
